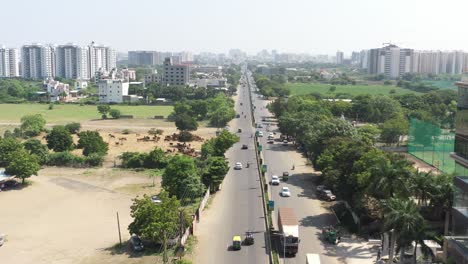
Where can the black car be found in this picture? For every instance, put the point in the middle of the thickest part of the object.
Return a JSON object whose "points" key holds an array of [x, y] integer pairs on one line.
{"points": [[245, 147], [136, 243]]}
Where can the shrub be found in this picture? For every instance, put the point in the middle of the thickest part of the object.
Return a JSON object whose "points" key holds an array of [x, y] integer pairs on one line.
{"points": [[185, 136], [115, 113], [133, 159], [126, 131], [94, 160], [73, 128], [51, 106], [65, 159]]}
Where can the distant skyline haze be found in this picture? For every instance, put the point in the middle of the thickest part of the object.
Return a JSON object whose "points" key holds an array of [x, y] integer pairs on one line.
{"points": [[299, 26]]}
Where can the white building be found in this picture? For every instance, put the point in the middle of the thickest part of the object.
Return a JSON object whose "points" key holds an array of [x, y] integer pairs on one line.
{"points": [[57, 91], [37, 61], [72, 62], [129, 75], [81, 84], [113, 89], [175, 74], [339, 57], [101, 58], [9, 62]]}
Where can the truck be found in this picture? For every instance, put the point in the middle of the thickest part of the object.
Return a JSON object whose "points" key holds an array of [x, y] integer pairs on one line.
{"points": [[289, 228]]}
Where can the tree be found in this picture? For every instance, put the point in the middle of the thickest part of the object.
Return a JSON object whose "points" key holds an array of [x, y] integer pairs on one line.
{"points": [[73, 128], [103, 110], [382, 108], [369, 133], [181, 178], [115, 113], [7, 147], [37, 149], [32, 125], [156, 159], [393, 129], [214, 172], [23, 165], [332, 89], [91, 142], [401, 216], [184, 122], [59, 139], [157, 222]]}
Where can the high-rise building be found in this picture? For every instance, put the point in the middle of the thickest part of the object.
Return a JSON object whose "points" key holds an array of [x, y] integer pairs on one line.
{"points": [[72, 62], [175, 74], [456, 245], [339, 57], [37, 61], [390, 60], [101, 59], [142, 57], [9, 62]]}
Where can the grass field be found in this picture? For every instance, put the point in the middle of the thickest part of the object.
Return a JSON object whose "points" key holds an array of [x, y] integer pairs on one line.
{"points": [[442, 84], [306, 88], [71, 112]]}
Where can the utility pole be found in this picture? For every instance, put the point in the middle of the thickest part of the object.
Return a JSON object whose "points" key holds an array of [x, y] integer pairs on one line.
{"points": [[165, 257], [118, 227]]}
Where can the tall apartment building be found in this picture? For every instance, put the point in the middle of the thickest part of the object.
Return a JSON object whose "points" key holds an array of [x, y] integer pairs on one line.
{"points": [[142, 57], [72, 62], [456, 245], [175, 74], [9, 62], [101, 58], [37, 61], [390, 60], [339, 57]]}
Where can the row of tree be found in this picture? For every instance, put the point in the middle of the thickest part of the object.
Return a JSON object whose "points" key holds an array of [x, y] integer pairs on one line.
{"points": [[378, 185]]}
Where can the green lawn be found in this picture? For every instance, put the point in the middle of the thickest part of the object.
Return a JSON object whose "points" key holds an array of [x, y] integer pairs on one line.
{"points": [[322, 88], [73, 112], [442, 84]]}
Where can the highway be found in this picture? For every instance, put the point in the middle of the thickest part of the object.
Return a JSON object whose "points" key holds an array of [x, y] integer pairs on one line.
{"points": [[310, 211], [237, 207]]}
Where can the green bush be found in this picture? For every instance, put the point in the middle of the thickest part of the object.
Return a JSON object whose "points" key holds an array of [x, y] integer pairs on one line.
{"points": [[94, 160], [65, 159], [133, 159], [126, 131], [185, 136], [115, 113], [73, 128]]}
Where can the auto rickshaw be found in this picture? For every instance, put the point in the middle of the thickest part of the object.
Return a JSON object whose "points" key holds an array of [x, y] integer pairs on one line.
{"points": [[249, 239], [236, 243], [285, 176], [330, 234], [239, 130]]}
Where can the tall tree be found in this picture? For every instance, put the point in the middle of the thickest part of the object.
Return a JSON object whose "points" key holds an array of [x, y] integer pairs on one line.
{"points": [[214, 172], [23, 165], [181, 178], [32, 125], [59, 139], [7, 147], [92, 142], [36, 148]]}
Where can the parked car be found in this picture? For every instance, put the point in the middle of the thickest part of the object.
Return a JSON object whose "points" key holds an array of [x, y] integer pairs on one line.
{"points": [[275, 180], [238, 166], [155, 199], [245, 146], [326, 194], [285, 192], [285, 142], [271, 141], [136, 243], [260, 134]]}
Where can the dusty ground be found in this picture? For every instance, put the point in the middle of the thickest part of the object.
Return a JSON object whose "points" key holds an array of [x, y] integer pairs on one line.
{"points": [[68, 215]]}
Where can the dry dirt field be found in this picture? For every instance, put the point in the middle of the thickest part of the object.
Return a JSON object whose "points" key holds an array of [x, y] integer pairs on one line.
{"points": [[68, 215]]}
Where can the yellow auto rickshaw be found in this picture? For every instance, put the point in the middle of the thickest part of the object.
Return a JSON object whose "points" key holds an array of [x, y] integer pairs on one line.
{"points": [[236, 243]]}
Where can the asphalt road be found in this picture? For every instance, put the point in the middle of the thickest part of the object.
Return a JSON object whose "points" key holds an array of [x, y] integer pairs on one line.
{"points": [[237, 207], [311, 213]]}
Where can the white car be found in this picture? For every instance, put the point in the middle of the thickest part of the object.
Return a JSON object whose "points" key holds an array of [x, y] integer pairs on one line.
{"points": [[238, 166], [260, 134], [155, 199], [285, 192], [275, 180], [285, 142]]}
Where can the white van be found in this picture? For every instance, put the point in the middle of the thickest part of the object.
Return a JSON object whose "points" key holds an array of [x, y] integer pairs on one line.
{"points": [[312, 259]]}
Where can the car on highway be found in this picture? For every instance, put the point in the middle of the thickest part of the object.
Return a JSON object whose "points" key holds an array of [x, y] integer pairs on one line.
{"points": [[285, 192], [275, 180], [238, 166], [136, 243], [245, 146]]}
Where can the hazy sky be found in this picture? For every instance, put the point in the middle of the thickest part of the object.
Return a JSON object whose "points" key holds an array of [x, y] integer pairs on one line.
{"points": [[312, 26]]}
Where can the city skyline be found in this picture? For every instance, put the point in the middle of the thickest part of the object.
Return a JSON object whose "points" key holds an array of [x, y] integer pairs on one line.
{"points": [[216, 26]]}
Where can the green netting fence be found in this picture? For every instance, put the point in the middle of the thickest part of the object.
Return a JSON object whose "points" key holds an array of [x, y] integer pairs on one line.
{"points": [[431, 144]]}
